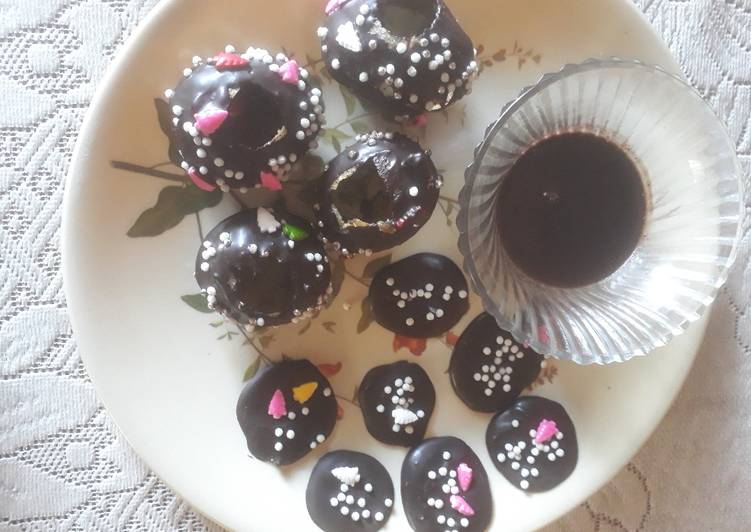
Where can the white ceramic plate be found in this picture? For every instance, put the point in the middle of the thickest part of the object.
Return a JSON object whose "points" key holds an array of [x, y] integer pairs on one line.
{"points": [[170, 375]]}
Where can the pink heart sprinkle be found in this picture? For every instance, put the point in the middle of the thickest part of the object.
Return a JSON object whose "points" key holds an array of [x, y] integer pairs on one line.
{"points": [[333, 5], [545, 430], [277, 405], [270, 181], [290, 72], [460, 505], [209, 120], [198, 181], [464, 474]]}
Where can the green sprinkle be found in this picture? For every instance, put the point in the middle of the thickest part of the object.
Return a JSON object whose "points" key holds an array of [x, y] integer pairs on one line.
{"points": [[295, 233]]}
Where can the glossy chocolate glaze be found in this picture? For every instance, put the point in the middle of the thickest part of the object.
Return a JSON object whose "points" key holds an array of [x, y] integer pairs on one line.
{"points": [[428, 69], [430, 474], [376, 194], [306, 422], [511, 440], [260, 277], [397, 401], [421, 296], [270, 123], [349, 491], [488, 368]]}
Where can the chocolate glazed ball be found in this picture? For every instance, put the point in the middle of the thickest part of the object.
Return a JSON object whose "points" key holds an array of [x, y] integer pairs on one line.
{"points": [[406, 56], [244, 120], [261, 268], [376, 194]]}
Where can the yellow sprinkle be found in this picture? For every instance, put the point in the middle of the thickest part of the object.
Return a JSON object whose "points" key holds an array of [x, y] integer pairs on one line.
{"points": [[303, 392]]}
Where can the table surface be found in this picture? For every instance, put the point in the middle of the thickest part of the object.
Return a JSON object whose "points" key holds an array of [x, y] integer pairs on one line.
{"points": [[63, 463]]}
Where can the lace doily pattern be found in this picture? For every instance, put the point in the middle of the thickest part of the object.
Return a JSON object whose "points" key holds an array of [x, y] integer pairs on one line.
{"points": [[63, 464]]}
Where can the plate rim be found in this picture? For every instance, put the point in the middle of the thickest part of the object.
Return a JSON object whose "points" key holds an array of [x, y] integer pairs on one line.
{"points": [[73, 183]]}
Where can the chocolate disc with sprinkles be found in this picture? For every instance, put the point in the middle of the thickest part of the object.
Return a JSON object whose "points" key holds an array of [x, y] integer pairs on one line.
{"points": [[406, 56], [263, 267], [243, 120], [349, 491], [397, 401], [421, 296], [376, 194], [445, 487], [533, 444], [286, 410], [489, 369]]}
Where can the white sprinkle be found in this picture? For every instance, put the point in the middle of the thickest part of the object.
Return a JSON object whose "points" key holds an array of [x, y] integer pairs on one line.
{"points": [[335, 64], [415, 57], [442, 471], [506, 388], [344, 510], [413, 191], [350, 499], [515, 423], [378, 516], [368, 487], [203, 170], [177, 110], [412, 72], [305, 411], [169, 93], [464, 522], [515, 466], [204, 266], [291, 415], [320, 438], [410, 322], [363, 77], [334, 501], [439, 313], [388, 503], [278, 446], [278, 432], [431, 475], [441, 519], [187, 72], [290, 434], [501, 457], [524, 484]]}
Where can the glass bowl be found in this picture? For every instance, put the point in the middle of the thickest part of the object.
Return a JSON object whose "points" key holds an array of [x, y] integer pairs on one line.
{"points": [[693, 223]]}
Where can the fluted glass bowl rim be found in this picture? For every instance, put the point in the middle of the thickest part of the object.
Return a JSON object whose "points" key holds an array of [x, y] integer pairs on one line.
{"points": [[470, 174]]}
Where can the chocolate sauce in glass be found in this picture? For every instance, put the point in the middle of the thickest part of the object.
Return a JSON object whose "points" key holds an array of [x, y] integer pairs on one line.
{"points": [[572, 209]]}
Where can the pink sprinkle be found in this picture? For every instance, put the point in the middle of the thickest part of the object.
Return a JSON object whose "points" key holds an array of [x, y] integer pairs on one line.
{"points": [[464, 474], [270, 181], [198, 181], [545, 430], [226, 61], [418, 121], [277, 406], [209, 120], [460, 505], [542, 332], [333, 5], [290, 72]]}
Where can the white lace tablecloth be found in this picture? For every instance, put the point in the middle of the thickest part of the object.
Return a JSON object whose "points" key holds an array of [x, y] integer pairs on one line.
{"points": [[64, 466]]}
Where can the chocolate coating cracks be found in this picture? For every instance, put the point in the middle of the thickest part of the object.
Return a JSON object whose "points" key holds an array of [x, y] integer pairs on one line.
{"points": [[236, 117], [376, 194]]}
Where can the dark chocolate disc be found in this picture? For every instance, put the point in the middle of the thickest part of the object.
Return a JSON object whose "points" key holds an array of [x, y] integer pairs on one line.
{"points": [[445, 487], [349, 491], [406, 56], [286, 410], [397, 401], [489, 369], [377, 193], [533, 444], [262, 267], [421, 296], [238, 116]]}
